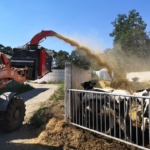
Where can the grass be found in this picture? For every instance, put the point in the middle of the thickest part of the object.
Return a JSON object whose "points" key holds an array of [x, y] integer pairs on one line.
{"points": [[51, 108], [55, 82], [39, 117], [16, 87], [58, 94]]}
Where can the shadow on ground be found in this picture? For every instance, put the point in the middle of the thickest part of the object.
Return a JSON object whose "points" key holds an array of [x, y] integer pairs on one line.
{"points": [[25, 132], [15, 146], [15, 140], [32, 93]]}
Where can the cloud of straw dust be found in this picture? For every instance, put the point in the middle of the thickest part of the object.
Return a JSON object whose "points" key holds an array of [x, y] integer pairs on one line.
{"points": [[90, 40], [99, 60], [128, 62]]}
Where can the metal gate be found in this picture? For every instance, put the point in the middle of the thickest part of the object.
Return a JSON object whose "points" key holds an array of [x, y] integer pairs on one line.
{"points": [[100, 113]]}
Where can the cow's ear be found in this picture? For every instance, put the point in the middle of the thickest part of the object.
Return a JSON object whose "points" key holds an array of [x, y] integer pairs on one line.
{"points": [[148, 90], [94, 83]]}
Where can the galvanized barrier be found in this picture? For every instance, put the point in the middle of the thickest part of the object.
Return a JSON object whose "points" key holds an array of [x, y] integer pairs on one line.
{"points": [[118, 117]]}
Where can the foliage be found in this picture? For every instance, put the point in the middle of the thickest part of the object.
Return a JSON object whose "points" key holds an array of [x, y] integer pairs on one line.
{"points": [[38, 117], [131, 42], [42, 115], [80, 59], [60, 59], [47, 111], [55, 82], [7, 50], [58, 94], [77, 57], [129, 31]]}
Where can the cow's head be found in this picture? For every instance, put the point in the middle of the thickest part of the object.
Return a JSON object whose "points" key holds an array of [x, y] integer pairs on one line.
{"points": [[88, 85], [144, 92]]}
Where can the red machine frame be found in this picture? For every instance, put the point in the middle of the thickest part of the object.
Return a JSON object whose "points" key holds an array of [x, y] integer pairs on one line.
{"points": [[7, 73]]}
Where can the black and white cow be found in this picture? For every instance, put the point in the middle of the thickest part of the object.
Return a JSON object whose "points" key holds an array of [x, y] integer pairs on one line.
{"points": [[84, 96], [120, 98], [145, 107], [114, 100], [90, 101], [88, 85], [116, 104]]}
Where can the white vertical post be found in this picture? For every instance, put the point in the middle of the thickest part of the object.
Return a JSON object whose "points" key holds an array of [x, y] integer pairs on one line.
{"points": [[68, 76]]}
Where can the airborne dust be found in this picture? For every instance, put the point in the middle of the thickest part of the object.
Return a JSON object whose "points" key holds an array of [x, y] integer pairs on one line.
{"points": [[119, 82]]}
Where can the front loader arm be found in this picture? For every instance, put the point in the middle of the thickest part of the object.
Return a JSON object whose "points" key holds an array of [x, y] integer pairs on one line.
{"points": [[5, 61], [7, 73]]}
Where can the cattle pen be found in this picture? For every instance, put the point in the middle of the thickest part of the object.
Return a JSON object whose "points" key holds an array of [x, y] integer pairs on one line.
{"points": [[99, 113]]}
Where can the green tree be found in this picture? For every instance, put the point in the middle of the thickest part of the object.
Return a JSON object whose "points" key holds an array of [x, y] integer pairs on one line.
{"points": [[2, 48], [80, 59], [129, 32], [8, 50], [60, 59]]}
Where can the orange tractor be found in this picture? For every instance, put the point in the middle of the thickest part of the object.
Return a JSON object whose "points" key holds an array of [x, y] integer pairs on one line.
{"points": [[27, 62]]}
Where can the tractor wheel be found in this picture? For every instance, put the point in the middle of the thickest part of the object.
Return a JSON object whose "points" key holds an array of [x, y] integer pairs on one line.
{"points": [[14, 114]]}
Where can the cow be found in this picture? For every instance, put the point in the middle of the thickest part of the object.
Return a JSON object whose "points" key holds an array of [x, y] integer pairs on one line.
{"points": [[84, 96], [88, 85], [119, 108], [114, 108], [119, 96], [145, 107], [89, 99], [114, 104]]}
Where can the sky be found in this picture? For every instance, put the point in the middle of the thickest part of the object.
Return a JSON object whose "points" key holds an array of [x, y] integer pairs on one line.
{"points": [[86, 21]]}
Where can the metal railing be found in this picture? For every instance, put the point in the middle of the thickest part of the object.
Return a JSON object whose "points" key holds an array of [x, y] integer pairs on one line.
{"points": [[118, 117]]}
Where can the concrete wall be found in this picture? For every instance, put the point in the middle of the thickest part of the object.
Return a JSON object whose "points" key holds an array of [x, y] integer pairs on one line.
{"points": [[74, 76], [142, 76], [79, 76], [55, 75]]}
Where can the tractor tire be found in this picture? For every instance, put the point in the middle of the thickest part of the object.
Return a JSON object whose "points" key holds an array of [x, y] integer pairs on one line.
{"points": [[14, 114]]}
